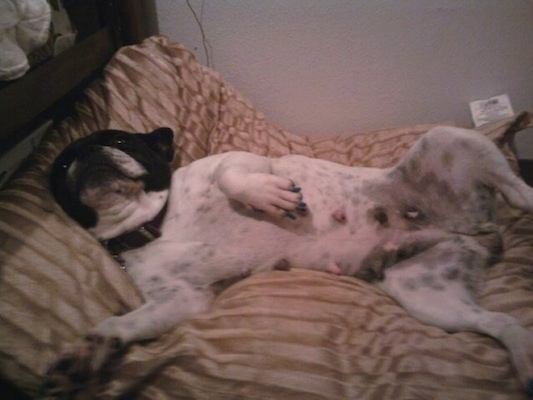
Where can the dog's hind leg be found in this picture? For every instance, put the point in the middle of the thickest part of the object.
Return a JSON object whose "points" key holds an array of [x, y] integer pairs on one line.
{"points": [[472, 156], [450, 177], [455, 314], [437, 287]]}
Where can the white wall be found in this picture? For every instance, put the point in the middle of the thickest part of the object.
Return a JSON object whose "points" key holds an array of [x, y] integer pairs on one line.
{"points": [[317, 66]]}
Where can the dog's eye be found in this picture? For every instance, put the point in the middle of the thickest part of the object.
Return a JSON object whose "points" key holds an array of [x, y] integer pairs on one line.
{"points": [[120, 141]]}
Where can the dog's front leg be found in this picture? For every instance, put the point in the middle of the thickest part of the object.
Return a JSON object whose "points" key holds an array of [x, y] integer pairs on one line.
{"points": [[248, 179], [166, 307]]}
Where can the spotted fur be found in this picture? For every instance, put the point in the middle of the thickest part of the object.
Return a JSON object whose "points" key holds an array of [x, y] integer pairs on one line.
{"points": [[412, 229]]}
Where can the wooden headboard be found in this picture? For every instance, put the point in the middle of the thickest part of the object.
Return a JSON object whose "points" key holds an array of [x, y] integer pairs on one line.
{"points": [[50, 88]]}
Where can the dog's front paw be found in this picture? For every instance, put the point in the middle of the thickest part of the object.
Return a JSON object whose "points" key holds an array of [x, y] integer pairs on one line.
{"points": [[275, 195], [79, 363]]}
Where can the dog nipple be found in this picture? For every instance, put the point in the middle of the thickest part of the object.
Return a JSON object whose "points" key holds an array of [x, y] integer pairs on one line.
{"points": [[339, 215], [334, 269]]}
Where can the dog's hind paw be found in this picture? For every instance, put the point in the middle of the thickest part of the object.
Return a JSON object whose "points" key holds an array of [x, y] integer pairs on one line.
{"points": [[79, 363]]}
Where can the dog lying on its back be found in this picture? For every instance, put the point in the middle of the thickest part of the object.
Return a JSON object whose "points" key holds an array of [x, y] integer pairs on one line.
{"points": [[413, 229]]}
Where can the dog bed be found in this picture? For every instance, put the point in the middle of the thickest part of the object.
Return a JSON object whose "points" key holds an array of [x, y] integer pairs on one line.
{"points": [[293, 334]]}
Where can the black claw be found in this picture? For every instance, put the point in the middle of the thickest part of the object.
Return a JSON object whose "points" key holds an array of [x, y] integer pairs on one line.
{"points": [[301, 206], [290, 215], [302, 211], [296, 189]]}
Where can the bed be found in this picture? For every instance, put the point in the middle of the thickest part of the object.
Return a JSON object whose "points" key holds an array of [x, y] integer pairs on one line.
{"points": [[295, 334]]}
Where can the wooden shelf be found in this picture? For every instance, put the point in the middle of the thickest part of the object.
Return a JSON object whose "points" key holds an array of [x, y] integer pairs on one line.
{"points": [[40, 89]]}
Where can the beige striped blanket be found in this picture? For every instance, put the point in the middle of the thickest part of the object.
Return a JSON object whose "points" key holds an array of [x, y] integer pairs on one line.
{"points": [[281, 335]]}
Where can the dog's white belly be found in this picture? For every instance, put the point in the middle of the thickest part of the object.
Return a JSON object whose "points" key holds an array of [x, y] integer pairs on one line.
{"points": [[197, 201], [227, 233], [343, 223]]}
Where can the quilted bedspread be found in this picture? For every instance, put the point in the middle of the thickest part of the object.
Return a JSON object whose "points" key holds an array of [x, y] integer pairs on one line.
{"points": [[293, 334]]}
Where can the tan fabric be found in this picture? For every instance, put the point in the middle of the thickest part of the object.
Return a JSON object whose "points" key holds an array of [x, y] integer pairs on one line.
{"points": [[278, 335]]}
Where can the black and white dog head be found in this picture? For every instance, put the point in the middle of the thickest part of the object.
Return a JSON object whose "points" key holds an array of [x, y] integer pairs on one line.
{"points": [[108, 169]]}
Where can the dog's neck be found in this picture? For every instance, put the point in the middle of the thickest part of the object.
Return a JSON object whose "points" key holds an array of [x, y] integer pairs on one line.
{"points": [[129, 216]]}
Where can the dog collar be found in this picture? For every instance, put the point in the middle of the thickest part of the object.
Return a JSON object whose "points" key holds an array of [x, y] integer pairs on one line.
{"points": [[139, 237]]}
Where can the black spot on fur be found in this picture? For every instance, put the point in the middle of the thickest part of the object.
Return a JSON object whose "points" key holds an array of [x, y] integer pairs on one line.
{"points": [[204, 208], [431, 281], [381, 216], [180, 267], [207, 255], [451, 273], [470, 284], [155, 280], [447, 159], [410, 284]]}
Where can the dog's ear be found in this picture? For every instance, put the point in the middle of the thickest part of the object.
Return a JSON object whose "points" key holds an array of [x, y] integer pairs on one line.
{"points": [[162, 141]]}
